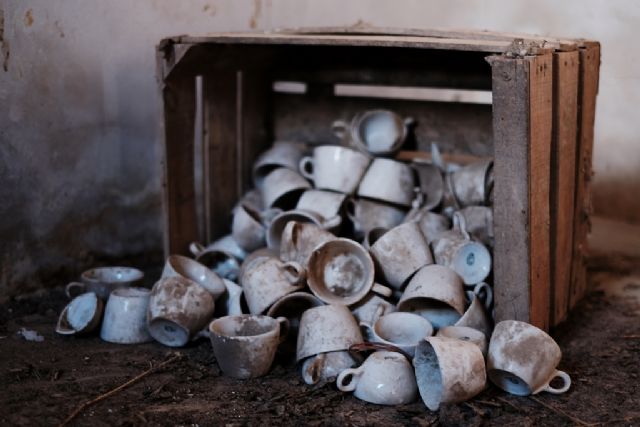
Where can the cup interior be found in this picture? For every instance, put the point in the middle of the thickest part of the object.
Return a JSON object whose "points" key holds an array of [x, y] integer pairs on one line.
{"points": [[403, 328], [380, 130], [200, 274], [113, 275], [428, 375], [82, 310], [509, 382], [472, 262], [462, 333], [243, 326], [221, 263], [131, 292], [168, 332], [277, 226], [438, 313]]}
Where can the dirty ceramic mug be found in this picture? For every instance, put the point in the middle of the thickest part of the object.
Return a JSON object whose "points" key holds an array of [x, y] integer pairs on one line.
{"points": [[341, 271], [282, 188], [403, 330], [277, 226], [369, 214], [103, 280], [283, 154], [252, 199], [125, 317], [448, 370], [178, 309], [299, 239], [465, 333], [335, 168], [223, 256], [431, 182], [385, 378], [399, 252], [326, 328], [326, 366], [245, 345], [249, 227], [481, 290], [178, 265], [431, 224], [479, 223], [455, 249], [371, 308], [476, 316], [436, 293], [269, 279], [471, 183], [327, 204], [81, 316], [522, 360], [389, 181], [377, 132]]}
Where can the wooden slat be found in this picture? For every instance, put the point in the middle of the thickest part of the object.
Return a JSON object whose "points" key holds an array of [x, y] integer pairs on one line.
{"points": [[563, 169], [587, 91]]}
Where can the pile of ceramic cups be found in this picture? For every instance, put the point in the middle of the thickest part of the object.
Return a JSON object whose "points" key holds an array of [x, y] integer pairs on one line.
{"points": [[344, 249]]}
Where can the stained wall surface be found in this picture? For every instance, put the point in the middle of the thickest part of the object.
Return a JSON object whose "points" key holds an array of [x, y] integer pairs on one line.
{"points": [[80, 169]]}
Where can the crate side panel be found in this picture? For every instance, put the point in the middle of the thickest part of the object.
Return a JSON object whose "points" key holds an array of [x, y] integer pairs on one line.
{"points": [[563, 169]]}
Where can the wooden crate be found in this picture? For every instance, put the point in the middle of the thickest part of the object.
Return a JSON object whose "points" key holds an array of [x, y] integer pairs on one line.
{"points": [[538, 128]]}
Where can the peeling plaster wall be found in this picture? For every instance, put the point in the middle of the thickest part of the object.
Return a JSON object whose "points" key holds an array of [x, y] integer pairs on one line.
{"points": [[79, 154]]}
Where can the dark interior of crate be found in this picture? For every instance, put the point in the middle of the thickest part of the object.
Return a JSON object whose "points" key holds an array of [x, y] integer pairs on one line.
{"points": [[251, 95]]}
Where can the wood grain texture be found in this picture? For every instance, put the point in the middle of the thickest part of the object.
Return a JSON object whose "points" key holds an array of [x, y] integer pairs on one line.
{"points": [[563, 171], [587, 92]]}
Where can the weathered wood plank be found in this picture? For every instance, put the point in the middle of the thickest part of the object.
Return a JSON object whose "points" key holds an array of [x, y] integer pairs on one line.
{"points": [[563, 172], [587, 92]]}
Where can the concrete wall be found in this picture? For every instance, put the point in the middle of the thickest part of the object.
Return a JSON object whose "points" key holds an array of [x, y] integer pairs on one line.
{"points": [[79, 158]]}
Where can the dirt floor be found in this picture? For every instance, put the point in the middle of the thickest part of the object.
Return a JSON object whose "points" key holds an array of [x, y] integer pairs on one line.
{"points": [[43, 382]]}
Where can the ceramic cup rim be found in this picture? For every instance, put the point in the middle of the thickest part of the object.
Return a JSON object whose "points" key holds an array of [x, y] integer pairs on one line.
{"points": [[241, 338]]}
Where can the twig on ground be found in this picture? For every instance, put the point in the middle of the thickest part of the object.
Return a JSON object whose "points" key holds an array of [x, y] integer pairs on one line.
{"points": [[475, 409], [111, 392], [505, 401], [487, 403], [562, 413], [631, 337]]}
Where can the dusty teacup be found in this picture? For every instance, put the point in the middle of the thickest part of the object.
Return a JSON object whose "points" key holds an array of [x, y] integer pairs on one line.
{"points": [[178, 265], [223, 256], [178, 308], [82, 315], [389, 181], [371, 308], [277, 226], [230, 303], [400, 252], [282, 188], [327, 204], [125, 314], [327, 366], [245, 345], [341, 271], [448, 370], [377, 132], [333, 167], [403, 330], [522, 359], [431, 224], [103, 280], [283, 154], [326, 328], [252, 199], [465, 333], [268, 279], [431, 182], [249, 227], [368, 214], [385, 378], [299, 239], [476, 316], [455, 249], [436, 293], [479, 223], [471, 183]]}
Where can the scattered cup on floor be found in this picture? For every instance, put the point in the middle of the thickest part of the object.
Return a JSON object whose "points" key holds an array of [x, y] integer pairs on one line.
{"points": [[327, 366], [103, 280], [125, 317], [403, 330], [178, 265], [81, 316], [336, 168]]}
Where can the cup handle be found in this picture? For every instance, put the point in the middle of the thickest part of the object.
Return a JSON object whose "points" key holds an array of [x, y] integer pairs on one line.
{"points": [[311, 371], [567, 383], [350, 208], [339, 128], [284, 329], [483, 288], [332, 222], [460, 224], [69, 289], [348, 379], [63, 327], [382, 290], [294, 271], [196, 248], [306, 167]]}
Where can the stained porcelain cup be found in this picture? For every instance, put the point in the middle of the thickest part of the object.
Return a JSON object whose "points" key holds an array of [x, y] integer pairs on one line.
{"points": [[178, 309], [327, 366], [81, 316], [476, 316], [299, 239], [327, 204], [448, 370], [230, 303], [431, 183], [522, 360], [479, 223], [341, 271], [436, 293], [431, 224], [125, 317], [389, 181], [465, 333], [249, 227], [267, 280], [178, 265], [403, 330], [223, 256], [245, 346], [336, 168], [385, 378], [283, 154], [282, 188], [371, 308], [471, 184], [277, 226], [399, 252], [103, 280], [369, 214]]}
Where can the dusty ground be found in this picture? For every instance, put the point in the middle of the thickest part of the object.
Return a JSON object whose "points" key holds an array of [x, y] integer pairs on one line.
{"points": [[42, 382]]}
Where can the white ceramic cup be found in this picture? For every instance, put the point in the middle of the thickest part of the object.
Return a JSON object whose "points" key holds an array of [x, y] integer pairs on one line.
{"points": [[436, 293], [125, 317], [479, 223], [282, 188], [522, 360], [178, 265], [389, 181], [431, 183], [371, 308], [336, 168], [471, 183], [283, 154], [277, 226], [223, 256], [385, 378], [327, 204], [299, 239], [369, 214], [403, 330], [245, 345], [341, 271], [81, 316], [399, 253], [103, 280], [448, 370], [326, 328], [326, 366], [268, 279], [431, 224], [476, 316], [465, 333], [178, 309], [249, 227], [377, 132]]}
